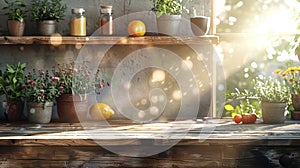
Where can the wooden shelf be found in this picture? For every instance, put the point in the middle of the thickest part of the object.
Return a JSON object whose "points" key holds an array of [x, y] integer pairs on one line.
{"points": [[108, 40]]}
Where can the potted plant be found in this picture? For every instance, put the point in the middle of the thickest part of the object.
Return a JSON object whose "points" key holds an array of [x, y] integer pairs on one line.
{"points": [[16, 10], [168, 13], [47, 13], [292, 77], [75, 85], [11, 81], [40, 91], [274, 95]]}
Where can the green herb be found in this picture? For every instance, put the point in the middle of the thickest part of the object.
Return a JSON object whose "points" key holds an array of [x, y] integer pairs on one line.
{"points": [[16, 10], [169, 7], [272, 90], [11, 81], [48, 10]]}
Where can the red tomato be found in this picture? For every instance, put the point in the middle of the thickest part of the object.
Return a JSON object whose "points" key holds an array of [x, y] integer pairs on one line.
{"points": [[254, 116], [248, 119], [136, 28], [237, 118]]}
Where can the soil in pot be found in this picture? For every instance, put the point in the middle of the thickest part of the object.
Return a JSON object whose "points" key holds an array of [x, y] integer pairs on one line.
{"points": [[39, 112], [16, 28], [72, 108]]}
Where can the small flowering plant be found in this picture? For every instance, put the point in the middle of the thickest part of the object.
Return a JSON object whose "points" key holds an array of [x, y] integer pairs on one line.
{"points": [[100, 82], [73, 80], [272, 90], [40, 87], [292, 77]]}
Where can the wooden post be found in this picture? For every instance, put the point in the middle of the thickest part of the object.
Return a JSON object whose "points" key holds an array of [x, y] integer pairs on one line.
{"points": [[213, 62], [212, 17]]}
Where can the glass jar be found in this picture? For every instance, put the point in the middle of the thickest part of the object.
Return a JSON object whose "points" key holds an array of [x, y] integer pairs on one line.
{"points": [[106, 25], [78, 22]]}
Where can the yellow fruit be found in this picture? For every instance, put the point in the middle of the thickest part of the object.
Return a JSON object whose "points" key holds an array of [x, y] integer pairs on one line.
{"points": [[101, 111], [136, 28]]}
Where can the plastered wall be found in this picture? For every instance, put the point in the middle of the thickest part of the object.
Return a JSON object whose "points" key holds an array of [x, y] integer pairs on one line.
{"points": [[45, 56]]}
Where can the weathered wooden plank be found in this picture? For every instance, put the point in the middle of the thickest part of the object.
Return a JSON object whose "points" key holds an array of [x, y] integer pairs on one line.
{"points": [[178, 156], [114, 131], [111, 40]]}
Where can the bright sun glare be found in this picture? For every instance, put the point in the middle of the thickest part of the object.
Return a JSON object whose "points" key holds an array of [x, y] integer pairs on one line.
{"points": [[279, 22]]}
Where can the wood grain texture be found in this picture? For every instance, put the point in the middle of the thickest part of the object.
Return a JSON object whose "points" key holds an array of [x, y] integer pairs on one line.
{"points": [[229, 144], [113, 132], [111, 40]]}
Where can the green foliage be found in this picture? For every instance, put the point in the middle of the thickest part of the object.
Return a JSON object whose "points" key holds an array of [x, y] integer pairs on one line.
{"points": [[48, 10], [257, 54], [11, 81], [169, 7], [272, 90], [241, 102], [16, 9]]}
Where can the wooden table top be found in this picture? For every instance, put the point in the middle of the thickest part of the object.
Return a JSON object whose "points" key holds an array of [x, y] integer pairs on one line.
{"points": [[188, 132]]}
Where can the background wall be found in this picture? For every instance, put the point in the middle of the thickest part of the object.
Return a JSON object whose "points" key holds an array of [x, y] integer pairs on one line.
{"points": [[120, 8], [46, 56]]}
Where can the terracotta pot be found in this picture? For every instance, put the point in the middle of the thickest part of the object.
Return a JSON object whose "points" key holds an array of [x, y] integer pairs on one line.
{"points": [[295, 115], [72, 108], [14, 110], [273, 113], [39, 112], [296, 101], [47, 27], [16, 28]]}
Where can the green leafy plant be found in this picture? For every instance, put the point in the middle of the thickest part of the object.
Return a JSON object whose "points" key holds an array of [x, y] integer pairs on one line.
{"points": [[40, 87], [264, 90], [11, 81], [272, 90], [16, 10], [48, 10], [169, 7], [241, 102]]}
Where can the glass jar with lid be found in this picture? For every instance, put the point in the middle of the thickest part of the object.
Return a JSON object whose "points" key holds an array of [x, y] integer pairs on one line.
{"points": [[78, 22], [106, 25]]}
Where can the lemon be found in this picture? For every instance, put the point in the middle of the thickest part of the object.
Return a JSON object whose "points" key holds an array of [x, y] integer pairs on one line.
{"points": [[101, 111]]}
